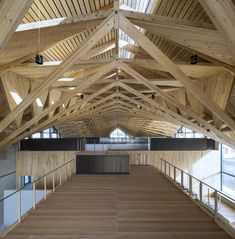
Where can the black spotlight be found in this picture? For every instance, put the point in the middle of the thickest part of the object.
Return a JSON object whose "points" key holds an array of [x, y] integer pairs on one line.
{"points": [[39, 59], [153, 96], [82, 96], [194, 59]]}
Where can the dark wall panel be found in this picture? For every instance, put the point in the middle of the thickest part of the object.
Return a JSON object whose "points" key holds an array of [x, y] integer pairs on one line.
{"points": [[188, 144], [102, 164], [63, 144]]}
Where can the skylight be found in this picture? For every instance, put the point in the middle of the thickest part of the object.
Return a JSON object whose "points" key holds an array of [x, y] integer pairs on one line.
{"points": [[40, 24], [143, 6], [66, 79], [51, 63], [39, 102], [16, 97]]}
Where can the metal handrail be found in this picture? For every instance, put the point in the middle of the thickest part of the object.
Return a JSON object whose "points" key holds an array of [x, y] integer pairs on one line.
{"points": [[44, 177], [213, 209], [216, 190], [36, 180], [5, 175]]}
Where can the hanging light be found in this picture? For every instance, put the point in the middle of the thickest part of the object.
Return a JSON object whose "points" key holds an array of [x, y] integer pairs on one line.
{"points": [[39, 59], [194, 59]]}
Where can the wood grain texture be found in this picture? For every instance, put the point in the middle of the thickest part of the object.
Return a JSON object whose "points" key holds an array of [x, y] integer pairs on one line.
{"points": [[38, 163], [143, 204], [203, 164]]}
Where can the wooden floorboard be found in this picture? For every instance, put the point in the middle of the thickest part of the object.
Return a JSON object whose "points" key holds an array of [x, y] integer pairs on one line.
{"points": [[143, 204]]}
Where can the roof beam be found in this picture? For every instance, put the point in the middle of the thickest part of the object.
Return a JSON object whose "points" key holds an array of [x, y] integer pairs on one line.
{"points": [[175, 118], [17, 134], [160, 57], [100, 31], [156, 19], [196, 71], [25, 42], [11, 14], [209, 42], [222, 14], [172, 100]]}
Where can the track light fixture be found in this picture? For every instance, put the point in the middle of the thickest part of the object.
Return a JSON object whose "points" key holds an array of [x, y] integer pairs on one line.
{"points": [[153, 96], [82, 96], [194, 59]]}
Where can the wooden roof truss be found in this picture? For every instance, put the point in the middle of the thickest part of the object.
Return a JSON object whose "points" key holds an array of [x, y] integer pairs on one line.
{"points": [[131, 64]]}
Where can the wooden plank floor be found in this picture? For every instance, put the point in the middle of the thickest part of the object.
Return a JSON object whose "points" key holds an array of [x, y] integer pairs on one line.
{"points": [[143, 204]]}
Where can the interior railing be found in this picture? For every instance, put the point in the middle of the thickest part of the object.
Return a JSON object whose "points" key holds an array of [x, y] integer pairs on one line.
{"points": [[218, 204], [17, 203]]}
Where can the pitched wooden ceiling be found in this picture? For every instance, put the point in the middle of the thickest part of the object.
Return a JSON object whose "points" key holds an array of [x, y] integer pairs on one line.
{"points": [[120, 64]]}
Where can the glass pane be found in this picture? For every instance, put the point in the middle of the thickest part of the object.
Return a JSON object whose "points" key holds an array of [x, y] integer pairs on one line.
{"points": [[228, 165], [228, 184]]}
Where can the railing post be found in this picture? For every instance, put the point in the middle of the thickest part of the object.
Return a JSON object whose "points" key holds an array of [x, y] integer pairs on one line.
{"points": [[190, 186], [165, 167], [208, 196], [161, 165], [174, 173], [182, 178], [169, 169], [71, 168], [60, 177], [34, 196], [65, 173], [216, 205], [45, 187], [19, 206], [53, 181], [200, 192]]}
